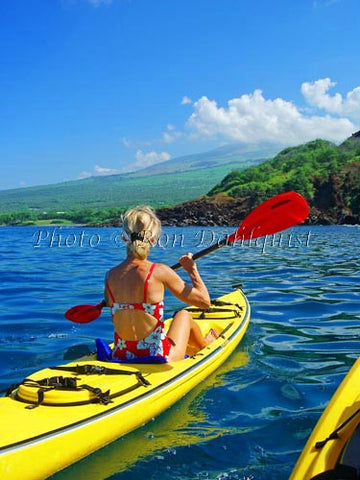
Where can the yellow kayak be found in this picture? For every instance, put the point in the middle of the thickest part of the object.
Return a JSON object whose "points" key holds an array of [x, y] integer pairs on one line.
{"points": [[332, 451], [61, 414], [186, 424]]}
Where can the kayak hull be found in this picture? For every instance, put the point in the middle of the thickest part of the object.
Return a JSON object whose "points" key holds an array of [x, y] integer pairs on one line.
{"points": [[328, 448], [60, 426]]}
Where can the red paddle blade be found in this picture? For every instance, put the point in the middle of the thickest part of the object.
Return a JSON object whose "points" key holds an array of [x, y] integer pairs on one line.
{"points": [[278, 213], [84, 313]]}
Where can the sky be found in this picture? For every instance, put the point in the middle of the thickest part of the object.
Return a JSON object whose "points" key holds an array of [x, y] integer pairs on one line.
{"points": [[97, 87]]}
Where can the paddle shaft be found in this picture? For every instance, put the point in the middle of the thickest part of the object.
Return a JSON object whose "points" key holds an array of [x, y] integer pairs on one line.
{"points": [[205, 251], [278, 213]]}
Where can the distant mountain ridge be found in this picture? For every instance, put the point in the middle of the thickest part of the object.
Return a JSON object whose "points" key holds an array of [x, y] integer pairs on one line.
{"points": [[215, 188], [223, 155], [167, 183]]}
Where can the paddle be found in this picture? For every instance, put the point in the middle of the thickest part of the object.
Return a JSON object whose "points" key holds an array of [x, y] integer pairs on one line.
{"points": [[85, 313], [274, 215]]}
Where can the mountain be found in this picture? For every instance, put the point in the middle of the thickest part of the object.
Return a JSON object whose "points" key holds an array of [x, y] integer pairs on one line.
{"points": [[328, 176], [221, 156], [215, 188], [167, 183]]}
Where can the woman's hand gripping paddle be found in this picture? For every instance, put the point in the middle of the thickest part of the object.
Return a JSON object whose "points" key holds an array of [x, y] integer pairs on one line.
{"points": [[278, 213]]}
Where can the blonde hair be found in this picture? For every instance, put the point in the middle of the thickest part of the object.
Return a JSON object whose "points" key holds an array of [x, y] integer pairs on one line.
{"points": [[142, 227]]}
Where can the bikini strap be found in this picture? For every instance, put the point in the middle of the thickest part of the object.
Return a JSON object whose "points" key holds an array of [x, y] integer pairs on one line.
{"points": [[146, 285], [110, 292]]}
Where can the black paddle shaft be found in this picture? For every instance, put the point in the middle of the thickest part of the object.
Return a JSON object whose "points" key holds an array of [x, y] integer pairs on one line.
{"points": [[205, 251]]}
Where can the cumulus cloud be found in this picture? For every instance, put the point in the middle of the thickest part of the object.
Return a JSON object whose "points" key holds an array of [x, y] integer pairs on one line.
{"points": [[252, 118], [316, 94], [146, 159]]}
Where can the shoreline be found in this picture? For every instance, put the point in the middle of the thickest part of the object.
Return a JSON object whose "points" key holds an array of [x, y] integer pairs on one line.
{"points": [[219, 210]]}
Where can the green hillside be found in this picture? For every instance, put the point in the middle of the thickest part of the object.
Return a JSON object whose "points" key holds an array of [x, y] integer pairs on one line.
{"points": [[166, 183], [327, 175], [302, 168], [116, 191], [101, 199]]}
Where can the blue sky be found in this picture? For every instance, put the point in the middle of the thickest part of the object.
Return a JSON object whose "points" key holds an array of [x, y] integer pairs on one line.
{"points": [[94, 87]]}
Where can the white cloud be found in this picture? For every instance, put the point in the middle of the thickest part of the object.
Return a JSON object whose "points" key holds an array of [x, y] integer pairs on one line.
{"points": [[84, 175], [252, 118], [186, 100], [146, 159], [171, 134], [142, 160], [99, 171], [126, 142], [105, 171], [168, 137], [316, 94]]}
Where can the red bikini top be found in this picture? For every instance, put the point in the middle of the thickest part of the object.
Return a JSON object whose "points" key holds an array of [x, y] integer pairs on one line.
{"points": [[154, 309]]}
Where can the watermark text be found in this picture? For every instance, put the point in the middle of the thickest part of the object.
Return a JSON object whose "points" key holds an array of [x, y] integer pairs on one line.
{"points": [[204, 238]]}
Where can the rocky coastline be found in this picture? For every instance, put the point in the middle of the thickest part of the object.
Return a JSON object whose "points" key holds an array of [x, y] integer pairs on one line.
{"points": [[226, 211]]}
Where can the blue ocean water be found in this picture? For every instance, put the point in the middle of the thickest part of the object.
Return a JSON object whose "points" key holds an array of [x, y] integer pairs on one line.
{"points": [[249, 420]]}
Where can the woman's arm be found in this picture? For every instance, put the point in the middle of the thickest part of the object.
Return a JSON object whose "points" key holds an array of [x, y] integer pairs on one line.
{"points": [[196, 294]]}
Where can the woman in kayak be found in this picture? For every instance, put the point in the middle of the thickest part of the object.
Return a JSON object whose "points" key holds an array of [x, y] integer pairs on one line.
{"points": [[135, 292]]}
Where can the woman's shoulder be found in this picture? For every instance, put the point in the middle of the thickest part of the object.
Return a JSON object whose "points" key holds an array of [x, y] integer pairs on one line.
{"points": [[164, 273], [113, 271], [161, 268]]}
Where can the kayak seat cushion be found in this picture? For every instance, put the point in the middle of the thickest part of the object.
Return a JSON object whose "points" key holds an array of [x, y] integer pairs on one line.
{"points": [[104, 354], [340, 472]]}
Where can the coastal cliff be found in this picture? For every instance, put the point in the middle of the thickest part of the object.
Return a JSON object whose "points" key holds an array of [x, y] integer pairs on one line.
{"points": [[328, 176]]}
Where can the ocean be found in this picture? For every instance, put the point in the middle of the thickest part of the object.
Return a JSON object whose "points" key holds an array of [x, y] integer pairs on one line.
{"points": [[251, 418]]}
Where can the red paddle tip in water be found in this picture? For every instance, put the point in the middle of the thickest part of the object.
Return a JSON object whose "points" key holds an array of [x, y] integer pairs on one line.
{"points": [[85, 313]]}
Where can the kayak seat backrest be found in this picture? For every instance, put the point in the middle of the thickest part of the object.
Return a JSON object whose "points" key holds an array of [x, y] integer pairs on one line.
{"points": [[348, 466], [104, 354], [351, 452], [103, 350], [340, 472]]}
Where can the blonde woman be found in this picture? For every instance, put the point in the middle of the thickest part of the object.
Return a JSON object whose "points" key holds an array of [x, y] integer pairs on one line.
{"points": [[135, 289]]}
